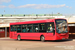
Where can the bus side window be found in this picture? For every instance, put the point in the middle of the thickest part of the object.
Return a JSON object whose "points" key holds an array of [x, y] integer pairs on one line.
{"points": [[24, 28], [50, 27], [18, 28], [35, 27], [13, 28], [42, 27], [29, 28]]}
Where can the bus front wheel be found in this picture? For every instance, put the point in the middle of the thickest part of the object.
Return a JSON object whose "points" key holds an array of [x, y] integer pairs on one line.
{"points": [[42, 38], [19, 38]]}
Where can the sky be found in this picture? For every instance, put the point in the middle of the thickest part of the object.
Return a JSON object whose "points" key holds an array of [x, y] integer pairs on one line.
{"points": [[65, 7]]}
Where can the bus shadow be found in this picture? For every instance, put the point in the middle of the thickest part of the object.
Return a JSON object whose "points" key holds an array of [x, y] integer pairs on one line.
{"points": [[28, 40], [60, 40], [48, 40]]}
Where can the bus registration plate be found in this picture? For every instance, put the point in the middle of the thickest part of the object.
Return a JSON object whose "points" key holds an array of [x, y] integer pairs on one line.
{"points": [[63, 38]]}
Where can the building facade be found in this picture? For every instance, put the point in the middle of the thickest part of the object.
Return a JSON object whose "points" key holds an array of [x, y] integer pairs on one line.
{"points": [[5, 21]]}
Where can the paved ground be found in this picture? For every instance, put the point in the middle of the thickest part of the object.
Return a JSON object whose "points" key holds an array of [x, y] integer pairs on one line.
{"points": [[10, 44]]}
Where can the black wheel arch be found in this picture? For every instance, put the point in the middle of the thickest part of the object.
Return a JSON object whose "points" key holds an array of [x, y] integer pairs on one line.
{"points": [[41, 36]]}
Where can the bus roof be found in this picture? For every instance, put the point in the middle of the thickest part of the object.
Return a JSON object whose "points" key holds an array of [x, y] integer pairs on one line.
{"points": [[35, 21]]}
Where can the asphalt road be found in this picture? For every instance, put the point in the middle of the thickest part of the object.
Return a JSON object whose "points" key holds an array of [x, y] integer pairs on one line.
{"points": [[11, 44]]}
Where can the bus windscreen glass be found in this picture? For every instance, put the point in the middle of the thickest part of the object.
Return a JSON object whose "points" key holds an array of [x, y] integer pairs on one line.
{"points": [[61, 26]]}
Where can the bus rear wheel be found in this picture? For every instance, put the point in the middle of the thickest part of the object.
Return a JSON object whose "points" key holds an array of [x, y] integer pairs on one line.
{"points": [[19, 38], [42, 38]]}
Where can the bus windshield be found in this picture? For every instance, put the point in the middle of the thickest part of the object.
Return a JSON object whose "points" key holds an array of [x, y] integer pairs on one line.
{"points": [[61, 26]]}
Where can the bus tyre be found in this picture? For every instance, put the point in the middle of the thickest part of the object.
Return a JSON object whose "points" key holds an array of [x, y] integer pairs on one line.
{"points": [[42, 38], [19, 38]]}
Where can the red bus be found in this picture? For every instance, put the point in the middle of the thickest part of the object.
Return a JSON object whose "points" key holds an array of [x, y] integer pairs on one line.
{"points": [[49, 29]]}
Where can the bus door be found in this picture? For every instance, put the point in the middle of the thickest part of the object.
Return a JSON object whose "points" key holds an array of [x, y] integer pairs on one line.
{"points": [[15, 31], [12, 30], [50, 29]]}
